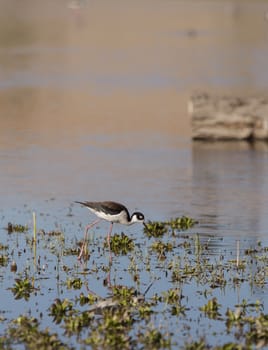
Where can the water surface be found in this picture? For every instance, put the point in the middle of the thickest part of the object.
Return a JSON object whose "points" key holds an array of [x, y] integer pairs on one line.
{"points": [[93, 106]]}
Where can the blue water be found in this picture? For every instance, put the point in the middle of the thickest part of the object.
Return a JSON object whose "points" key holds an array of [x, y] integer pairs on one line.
{"points": [[48, 161]]}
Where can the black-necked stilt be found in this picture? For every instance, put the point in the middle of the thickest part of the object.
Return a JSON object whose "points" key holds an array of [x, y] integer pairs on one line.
{"points": [[110, 211]]}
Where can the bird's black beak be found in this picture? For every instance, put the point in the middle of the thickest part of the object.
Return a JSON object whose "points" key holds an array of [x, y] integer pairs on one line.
{"points": [[145, 226]]}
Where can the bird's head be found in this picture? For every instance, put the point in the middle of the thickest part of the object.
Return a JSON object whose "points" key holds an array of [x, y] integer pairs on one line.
{"points": [[138, 217]]}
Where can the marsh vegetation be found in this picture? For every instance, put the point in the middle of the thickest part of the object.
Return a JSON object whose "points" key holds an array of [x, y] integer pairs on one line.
{"points": [[163, 288]]}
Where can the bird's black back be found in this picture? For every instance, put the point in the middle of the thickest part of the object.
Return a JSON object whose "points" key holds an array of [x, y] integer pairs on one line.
{"points": [[107, 207]]}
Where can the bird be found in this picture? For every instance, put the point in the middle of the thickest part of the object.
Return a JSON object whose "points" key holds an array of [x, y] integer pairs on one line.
{"points": [[110, 211]]}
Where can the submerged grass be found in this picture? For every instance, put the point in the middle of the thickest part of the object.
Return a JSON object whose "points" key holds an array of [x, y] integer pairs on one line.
{"points": [[16, 228], [164, 290]]}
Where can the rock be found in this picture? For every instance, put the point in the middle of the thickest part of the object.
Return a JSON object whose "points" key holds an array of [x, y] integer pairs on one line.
{"points": [[228, 118]]}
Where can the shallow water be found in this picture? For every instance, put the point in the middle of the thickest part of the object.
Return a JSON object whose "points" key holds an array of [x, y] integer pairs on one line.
{"points": [[94, 107]]}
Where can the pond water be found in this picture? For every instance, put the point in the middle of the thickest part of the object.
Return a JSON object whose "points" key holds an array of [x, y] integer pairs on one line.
{"points": [[93, 106]]}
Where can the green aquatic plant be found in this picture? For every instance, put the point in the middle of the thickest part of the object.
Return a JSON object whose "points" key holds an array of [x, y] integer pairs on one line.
{"points": [[89, 299], [145, 310], [211, 309], [176, 275], [234, 318], [126, 296], [245, 305], [176, 271], [181, 223], [120, 244], [3, 260], [74, 283], [22, 288], [155, 229], [217, 278], [60, 309], [74, 324], [70, 251], [55, 233], [161, 248], [34, 227], [159, 229], [178, 309], [172, 296], [16, 228]]}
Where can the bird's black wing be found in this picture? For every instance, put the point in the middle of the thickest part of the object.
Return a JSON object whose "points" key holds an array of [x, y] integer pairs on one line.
{"points": [[107, 207]]}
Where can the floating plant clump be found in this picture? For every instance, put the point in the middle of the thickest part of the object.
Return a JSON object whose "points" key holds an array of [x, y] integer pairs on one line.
{"points": [[159, 228], [155, 229], [181, 223], [22, 288], [120, 244]]}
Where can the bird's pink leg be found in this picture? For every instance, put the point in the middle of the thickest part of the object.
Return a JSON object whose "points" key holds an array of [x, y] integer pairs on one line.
{"points": [[85, 238], [109, 235], [108, 241]]}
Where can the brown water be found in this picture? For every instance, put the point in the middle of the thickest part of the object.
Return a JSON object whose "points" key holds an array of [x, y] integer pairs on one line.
{"points": [[93, 105]]}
